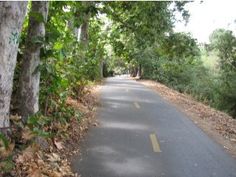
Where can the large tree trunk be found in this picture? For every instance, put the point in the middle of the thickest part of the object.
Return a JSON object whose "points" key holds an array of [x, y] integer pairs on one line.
{"points": [[84, 30], [11, 19], [30, 74], [139, 74], [84, 36], [101, 69]]}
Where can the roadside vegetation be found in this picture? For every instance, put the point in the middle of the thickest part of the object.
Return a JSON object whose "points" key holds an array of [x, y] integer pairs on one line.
{"points": [[54, 53], [206, 71]]}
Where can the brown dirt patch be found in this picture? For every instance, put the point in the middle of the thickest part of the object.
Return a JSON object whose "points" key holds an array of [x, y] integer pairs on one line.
{"points": [[218, 125]]}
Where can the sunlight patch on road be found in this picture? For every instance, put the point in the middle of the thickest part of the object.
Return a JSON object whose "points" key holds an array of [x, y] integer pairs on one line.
{"points": [[130, 167], [121, 125], [137, 105], [104, 150], [155, 144]]}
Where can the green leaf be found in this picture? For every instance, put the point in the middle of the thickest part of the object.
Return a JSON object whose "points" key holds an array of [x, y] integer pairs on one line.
{"points": [[4, 140], [58, 46]]}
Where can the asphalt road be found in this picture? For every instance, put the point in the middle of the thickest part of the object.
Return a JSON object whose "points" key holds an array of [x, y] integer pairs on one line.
{"points": [[142, 135]]}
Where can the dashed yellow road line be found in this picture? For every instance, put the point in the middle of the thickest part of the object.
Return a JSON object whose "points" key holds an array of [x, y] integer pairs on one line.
{"points": [[136, 105], [155, 144]]}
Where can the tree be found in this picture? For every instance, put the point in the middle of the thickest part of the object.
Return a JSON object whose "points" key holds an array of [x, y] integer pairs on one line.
{"points": [[11, 16], [30, 72], [141, 24], [224, 42], [178, 46], [85, 23]]}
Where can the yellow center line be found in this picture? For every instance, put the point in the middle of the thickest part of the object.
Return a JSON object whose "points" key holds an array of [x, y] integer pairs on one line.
{"points": [[136, 105], [155, 144]]}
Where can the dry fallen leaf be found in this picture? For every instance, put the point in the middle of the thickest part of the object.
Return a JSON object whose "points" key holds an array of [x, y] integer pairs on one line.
{"points": [[233, 140], [226, 147], [27, 154], [54, 174], [53, 157], [5, 152], [27, 134], [59, 144], [95, 124], [35, 173]]}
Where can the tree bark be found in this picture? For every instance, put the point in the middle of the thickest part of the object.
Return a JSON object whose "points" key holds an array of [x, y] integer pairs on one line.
{"points": [[139, 74], [134, 72], [30, 74], [84, 30], [11, 19], [84, 36], [101, 69]]}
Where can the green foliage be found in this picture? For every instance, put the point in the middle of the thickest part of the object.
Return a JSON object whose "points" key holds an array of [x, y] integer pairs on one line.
{"points": [[172, 61], [176, 62], [178, 46], [224, 42], [4, 141], [38, 123], [6, 162], [67, 64], [6, 165], [137, 26]]}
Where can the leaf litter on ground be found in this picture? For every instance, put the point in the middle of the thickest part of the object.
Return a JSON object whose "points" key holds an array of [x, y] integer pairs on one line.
{"points": [[48, 157]]}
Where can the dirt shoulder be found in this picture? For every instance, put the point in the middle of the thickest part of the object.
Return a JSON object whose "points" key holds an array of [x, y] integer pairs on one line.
{"points": [[218, 125]]}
